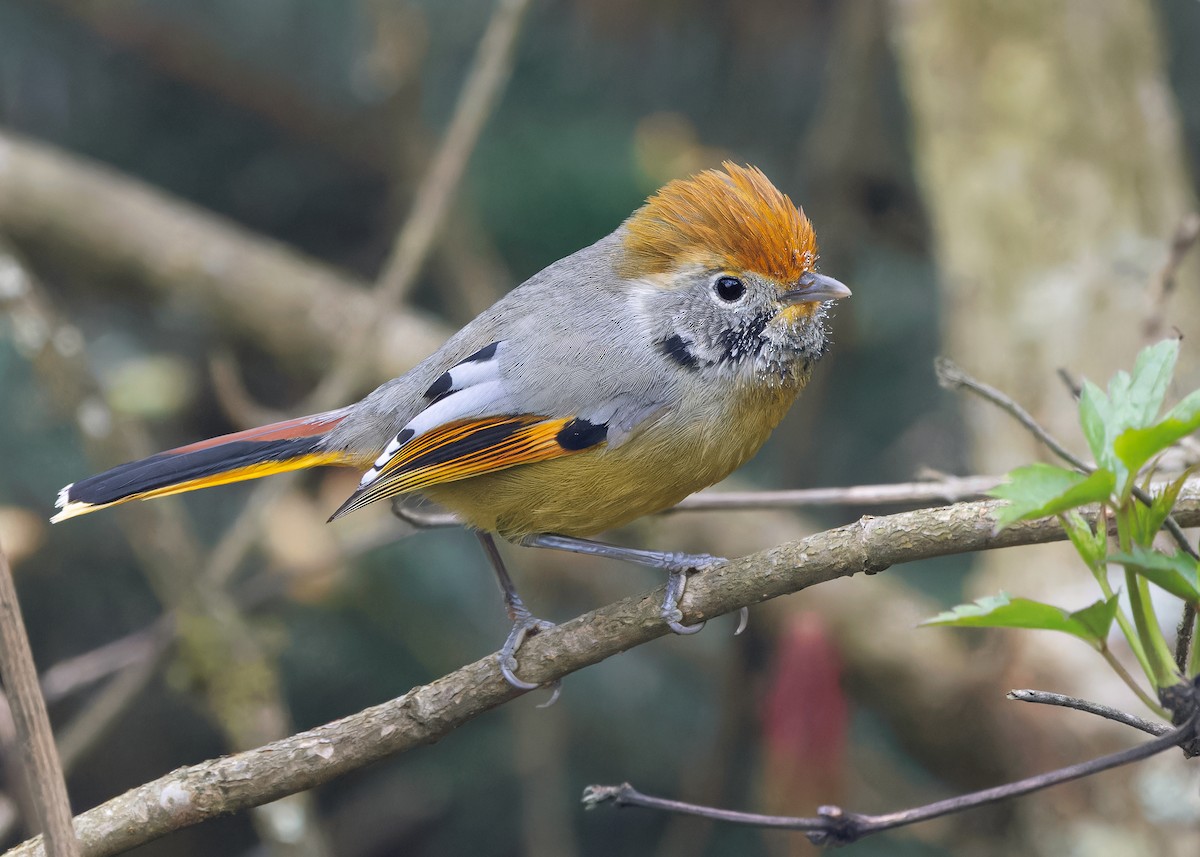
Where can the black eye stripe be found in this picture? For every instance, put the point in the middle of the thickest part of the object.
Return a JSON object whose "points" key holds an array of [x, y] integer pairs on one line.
{"points": [[729, 289], [678, 350]]}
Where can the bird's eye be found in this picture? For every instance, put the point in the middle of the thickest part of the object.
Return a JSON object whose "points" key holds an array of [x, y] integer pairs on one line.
{"points": [[729, 289]]}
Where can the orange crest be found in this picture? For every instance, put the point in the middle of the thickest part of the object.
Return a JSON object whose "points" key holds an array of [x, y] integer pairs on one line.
{"points": [[736, 220]]}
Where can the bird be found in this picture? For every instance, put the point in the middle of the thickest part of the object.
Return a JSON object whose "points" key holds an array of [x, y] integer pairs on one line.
{"points": [[608, 386]]}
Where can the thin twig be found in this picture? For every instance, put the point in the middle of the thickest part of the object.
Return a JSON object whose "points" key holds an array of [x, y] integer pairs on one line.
{"points": [[1161, 289], [1069, 382], [1045, 697], [34, 736], [834, 826], [486, 81], [952, 377]]}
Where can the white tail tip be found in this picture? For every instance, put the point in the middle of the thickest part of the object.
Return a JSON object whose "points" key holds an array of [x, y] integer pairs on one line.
{"points": [[67, 507]]}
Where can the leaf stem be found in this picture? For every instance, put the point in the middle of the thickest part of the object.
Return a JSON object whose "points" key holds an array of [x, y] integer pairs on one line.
{"points": [[1119, 668], [1161, 661], [1100, 572], [1127, 629]]}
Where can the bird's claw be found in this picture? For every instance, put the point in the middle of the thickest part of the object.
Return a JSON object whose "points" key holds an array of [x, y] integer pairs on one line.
{"points": [[555, 692], [525, 624], [678, 627], [507, 667], [671, 614]]}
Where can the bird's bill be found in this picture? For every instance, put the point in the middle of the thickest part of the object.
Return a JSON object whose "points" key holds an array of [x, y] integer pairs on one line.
{"points": [[815, 288]]}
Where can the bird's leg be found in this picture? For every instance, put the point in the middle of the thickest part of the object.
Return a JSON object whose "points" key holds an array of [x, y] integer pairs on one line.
{"points": [[524, 622], [411, 509], [676, 564]]}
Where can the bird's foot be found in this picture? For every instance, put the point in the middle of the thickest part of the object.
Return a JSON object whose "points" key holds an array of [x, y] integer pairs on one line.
{"points": [[680, 566], [525, 624], [672, 615]]}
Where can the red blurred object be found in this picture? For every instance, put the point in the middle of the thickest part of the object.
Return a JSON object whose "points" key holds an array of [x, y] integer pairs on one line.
{"points": [[805, 719]]}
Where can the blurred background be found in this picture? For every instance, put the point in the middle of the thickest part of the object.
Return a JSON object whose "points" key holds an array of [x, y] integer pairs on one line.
{"points": [[195, 197]]}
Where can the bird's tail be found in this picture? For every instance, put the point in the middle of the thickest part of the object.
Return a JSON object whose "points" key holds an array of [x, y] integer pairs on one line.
{"points": [[276, 448]]}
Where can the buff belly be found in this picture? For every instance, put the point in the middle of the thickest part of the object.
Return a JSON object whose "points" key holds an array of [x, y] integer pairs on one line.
{"points": [[601, 488]]}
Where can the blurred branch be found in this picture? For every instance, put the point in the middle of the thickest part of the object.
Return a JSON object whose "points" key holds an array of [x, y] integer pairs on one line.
{"points": [[947, 490], [426, 714], [237, 676], [72, 674], [354, 343], [185, 55], [383, 139], [1163, 286], [541, 749], [132, 661], [105, 708], [485, 82], [61, 207], [238, 405], [40, 757]]}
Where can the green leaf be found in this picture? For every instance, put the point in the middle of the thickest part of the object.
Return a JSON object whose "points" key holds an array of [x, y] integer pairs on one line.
{"points": [[1037, 490], [1177, 573], [1148, 520], [1136, 446], [1131, 405], [1090, 624], [1095, 415], [1098, 617], [1091, 544], [1152, 372]]}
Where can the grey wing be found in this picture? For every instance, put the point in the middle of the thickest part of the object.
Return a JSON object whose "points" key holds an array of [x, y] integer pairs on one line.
{"points": [[492, 382], [476, 421]]}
